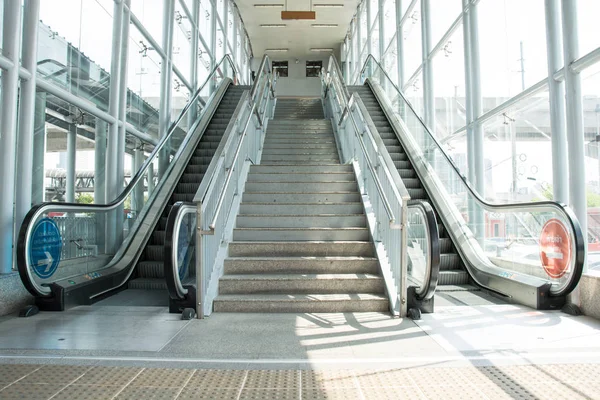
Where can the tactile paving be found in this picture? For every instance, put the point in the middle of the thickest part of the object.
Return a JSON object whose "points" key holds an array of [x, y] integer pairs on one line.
{"points": [[392, 393], [328, 379], [269, 394], [108, 376], [56, 374], [387, 378], [331, 394], [451, 392], [14, 372], [572, 372], [220, 379], [161, 377], [437, 377], [87, 392], [505, 392], [208, 393], [153, 393], [29, 391], [273, 379]]}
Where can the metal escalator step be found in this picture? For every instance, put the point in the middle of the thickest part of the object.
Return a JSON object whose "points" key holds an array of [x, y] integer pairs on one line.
{"points": [[455, 277], [188, 197], [151, 269], [459, 288], [417, 193], [155, 252], [200, 160], [398, 156], [446, 245], [183, 188], [402, 164], [196, 169], [162, 223], [407, 173], [158, 237], [191, 178], [200, 152], [148, 284], [450, 261], [412, 183]]}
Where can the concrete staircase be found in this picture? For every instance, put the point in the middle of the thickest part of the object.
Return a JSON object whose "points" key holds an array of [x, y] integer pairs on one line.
{"points": [[301, 242]]}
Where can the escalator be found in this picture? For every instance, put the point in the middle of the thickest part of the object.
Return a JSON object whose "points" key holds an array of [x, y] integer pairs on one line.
{"points": [[121, 247], [465, 218], [452, 270], [150, 274]]}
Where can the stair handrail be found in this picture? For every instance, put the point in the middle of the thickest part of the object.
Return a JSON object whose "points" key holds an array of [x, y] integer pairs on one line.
{"points": [[427, 288], [562, 208], [25, 231]]}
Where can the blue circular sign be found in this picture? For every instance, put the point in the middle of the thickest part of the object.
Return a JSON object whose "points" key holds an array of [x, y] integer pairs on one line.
{"points": [[45, 248]]}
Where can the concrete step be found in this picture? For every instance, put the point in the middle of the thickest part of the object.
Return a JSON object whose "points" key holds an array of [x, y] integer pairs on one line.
{"points": [[301, 265], [295, 151], [302, 303], [301, 187], [300, 234], [301, 177], [301, 168], [301, 198], [301, 249], [300, 283], [312, 158], [301, 221], [301, 209]]}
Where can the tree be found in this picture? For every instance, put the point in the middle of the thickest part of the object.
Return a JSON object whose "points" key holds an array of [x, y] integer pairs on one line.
{"points": [[84, 198]]}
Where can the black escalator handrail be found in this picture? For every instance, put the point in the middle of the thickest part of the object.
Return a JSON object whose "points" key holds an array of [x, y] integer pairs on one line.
{"points": [[38, 209], [507, 207], [174, 285], [430, 281]]}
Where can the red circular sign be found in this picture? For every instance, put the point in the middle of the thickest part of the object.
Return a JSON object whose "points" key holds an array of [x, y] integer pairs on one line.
{"points": [[555, 249]]}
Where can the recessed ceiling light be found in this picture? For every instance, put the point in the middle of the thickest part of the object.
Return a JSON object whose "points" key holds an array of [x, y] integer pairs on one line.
{"points": [[328, 5], [319, 49], [277, 50], [273, 25], [268, 5], [324, 25]]}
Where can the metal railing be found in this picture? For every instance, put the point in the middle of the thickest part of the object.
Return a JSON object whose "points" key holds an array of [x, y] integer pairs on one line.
{"points": [[468, 213], [220, 189], [361, 145], [111, 234]]}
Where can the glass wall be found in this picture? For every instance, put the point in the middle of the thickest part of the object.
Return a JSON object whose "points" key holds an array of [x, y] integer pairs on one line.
{"points": [[513, 111]]}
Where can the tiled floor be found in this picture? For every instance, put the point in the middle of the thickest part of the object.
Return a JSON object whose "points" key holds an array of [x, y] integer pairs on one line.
{"points": [[488, 350], [571, 381]]}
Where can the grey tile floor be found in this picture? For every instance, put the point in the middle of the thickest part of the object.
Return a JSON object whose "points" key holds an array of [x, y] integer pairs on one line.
{"points": [[488, 350]]}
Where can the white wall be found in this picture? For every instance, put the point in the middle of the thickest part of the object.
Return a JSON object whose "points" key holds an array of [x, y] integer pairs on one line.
{"points": [[297, 84]]}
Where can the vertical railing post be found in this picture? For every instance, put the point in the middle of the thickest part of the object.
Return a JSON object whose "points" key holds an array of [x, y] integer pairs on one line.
{"points": [[199, 263]]}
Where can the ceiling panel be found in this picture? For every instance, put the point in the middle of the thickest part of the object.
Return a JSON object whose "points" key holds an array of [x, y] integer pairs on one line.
{"points": [[297, 36]]}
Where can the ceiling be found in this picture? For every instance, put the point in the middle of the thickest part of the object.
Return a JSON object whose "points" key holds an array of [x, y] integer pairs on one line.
{"points": [[298, 36]]}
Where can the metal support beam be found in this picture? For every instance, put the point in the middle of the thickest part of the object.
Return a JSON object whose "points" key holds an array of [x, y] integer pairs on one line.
{"points": [[575, 134], [399, 44], [560, 171], [349, 54], [71, 163], [381, 17], [164, 112], [112, 184], [11, 42], [39, 149], [369, 26], [358, 43], [195, 18], [27, 112], [428, 100], [213, 38], [137, 203], [123, 63]]}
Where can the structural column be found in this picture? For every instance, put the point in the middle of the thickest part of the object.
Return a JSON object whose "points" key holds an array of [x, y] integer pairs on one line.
{"points": [[349, 54], [164, 118], [112, 183], [575, 128], [138, 193], [194, 58], [71, 163], [429, 102], [27, 112], [38, 194], [381, 30], [399, 44], [213, 41], [359, 43], [560, 171], [8, 125], [369, 26]]}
